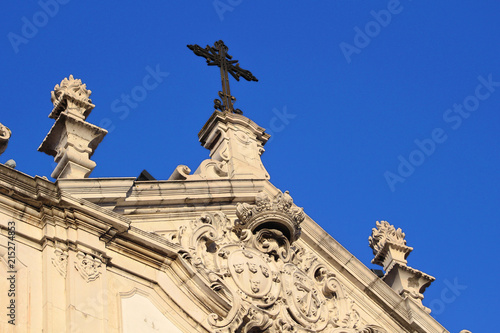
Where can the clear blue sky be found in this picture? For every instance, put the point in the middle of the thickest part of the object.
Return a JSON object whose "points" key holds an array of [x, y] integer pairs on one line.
{"points": [[368, 87]]}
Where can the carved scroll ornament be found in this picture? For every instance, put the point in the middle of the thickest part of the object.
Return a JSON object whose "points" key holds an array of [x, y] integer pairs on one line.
{"points": [[272, 286]]}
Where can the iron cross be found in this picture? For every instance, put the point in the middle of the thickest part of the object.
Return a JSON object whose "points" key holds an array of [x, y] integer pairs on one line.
{"points": [[217, 56]]}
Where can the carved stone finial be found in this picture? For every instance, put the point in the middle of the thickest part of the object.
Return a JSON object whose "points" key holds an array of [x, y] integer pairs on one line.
{"points": [[72, 140], [388, 244], [390, 250], [71, 96], [5, 134], [278, 213], [385, 233]]}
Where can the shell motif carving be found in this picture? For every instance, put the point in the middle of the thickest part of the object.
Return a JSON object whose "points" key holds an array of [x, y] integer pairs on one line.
{"points": [[272, 286]]}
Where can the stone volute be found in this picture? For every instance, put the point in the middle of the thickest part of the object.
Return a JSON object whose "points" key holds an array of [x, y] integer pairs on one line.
{"points": [[72, 140], [390, 250]]}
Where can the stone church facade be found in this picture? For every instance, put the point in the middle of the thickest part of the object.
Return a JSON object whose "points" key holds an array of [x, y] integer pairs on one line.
{"points": [[217, 250]]}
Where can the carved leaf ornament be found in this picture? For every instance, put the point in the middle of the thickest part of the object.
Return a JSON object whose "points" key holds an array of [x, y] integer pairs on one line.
{"points": [[272, 286], [385, 233], [71, 87]]}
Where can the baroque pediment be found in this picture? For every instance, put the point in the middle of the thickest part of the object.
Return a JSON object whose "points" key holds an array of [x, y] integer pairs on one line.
{"points": [[269, 284]]}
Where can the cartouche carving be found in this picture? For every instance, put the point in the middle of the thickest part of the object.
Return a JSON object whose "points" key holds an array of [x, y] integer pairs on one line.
{"points": [[60, 261], [88, 266], [273, 286]]}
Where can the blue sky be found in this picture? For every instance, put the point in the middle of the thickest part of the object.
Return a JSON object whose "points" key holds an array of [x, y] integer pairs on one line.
{"points": [[379, 110]]}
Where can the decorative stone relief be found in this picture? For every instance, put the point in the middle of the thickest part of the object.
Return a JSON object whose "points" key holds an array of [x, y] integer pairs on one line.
{"points": [[385, 233], [272, 285], [390, 250], [72, 140], [88, 266], [73, 96], [266, 210], [60, 261], [5, 134], [236, 145], [180, 173], [72, 87]]}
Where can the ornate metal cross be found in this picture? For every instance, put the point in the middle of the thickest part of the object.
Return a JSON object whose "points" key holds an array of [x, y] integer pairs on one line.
{"points": [[217, 56]]}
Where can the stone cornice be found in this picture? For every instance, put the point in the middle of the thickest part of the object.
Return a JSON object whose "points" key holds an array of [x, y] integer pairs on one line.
{"points": [[42, 194], [51, 141], [409, 269], [125, 192], [381, 255]]}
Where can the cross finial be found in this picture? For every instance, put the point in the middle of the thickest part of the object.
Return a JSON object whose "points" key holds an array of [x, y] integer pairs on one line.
{"points": [[217, 56]]}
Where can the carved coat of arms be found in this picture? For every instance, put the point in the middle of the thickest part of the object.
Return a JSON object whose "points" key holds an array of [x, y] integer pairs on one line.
{"points": [[272, 286]]}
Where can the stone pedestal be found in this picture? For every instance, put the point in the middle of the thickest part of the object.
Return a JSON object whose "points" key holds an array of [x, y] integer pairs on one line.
{"points": [[235, 143]]}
